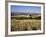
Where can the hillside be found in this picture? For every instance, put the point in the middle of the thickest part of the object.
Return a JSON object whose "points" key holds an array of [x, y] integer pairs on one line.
{"points": [[18, 13]]}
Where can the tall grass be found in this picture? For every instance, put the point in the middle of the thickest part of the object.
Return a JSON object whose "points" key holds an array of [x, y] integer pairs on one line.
{"points": [[25, 24]]}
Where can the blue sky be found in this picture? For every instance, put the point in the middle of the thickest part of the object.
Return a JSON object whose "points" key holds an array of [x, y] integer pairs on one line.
{"points": [[25, 9]]}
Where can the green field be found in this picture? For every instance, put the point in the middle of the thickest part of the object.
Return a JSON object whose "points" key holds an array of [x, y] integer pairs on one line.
{"points": [[25, 24]]}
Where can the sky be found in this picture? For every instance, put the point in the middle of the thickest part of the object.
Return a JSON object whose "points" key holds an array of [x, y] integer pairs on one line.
{"points": [[25, 9]]}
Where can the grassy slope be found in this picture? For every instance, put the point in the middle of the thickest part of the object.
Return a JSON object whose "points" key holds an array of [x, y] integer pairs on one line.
{"points": [[25, 24]]}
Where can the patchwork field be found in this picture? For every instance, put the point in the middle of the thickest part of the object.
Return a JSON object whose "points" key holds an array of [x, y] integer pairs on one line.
{"points": [[25, 24]]}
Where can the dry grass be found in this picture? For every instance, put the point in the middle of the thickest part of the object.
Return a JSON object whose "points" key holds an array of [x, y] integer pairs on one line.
{"points": [[25, 24]]}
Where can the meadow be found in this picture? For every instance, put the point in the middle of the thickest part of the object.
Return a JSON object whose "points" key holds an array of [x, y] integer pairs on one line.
{"points": [[25, 23]]}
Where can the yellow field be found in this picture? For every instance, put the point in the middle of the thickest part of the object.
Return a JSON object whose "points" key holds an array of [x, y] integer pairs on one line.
{"points": [[25, 24]]}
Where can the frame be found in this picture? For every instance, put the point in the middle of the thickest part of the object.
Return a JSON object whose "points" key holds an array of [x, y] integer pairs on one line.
{"points": [[27, 4]]}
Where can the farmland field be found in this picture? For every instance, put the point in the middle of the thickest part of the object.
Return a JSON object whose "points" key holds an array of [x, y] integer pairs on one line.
{"points": [[25, 24]]}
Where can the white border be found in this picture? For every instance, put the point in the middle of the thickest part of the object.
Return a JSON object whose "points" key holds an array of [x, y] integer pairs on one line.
{"points": [[23, 32]]}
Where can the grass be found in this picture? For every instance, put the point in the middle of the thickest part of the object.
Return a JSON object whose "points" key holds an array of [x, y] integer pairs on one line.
{"points": [[25, 24]]}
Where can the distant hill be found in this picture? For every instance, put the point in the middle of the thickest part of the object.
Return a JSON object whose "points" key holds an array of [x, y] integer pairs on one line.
{"points": [[19, 13]]}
